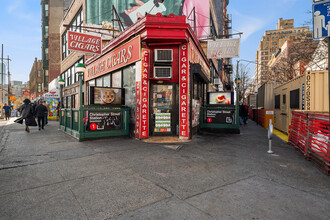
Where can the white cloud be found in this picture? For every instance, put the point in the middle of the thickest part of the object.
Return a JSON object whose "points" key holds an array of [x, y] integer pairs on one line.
{"points": [[17, 8], [14, 6], [248, 25]]}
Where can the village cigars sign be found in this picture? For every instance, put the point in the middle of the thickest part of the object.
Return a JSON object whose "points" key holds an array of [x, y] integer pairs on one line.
{"points": [[184, 93], [142, 97], [84, 42], [123, 55]]}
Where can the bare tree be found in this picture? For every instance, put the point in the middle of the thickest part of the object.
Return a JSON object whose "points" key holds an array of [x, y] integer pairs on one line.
{"points": [[246, 81], [292, 61]]}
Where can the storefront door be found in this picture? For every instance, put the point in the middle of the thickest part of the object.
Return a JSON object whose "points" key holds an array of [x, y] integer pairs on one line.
{"points": [[163, 109]]}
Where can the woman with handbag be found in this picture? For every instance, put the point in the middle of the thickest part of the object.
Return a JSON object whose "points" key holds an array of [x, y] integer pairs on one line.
{"points": [[28, 114]]}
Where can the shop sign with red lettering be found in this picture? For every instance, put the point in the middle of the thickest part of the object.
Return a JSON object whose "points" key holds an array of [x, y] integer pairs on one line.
{"points": [[144, 125], [126, 54], [84, 42], [184, 93], [137, 109]]}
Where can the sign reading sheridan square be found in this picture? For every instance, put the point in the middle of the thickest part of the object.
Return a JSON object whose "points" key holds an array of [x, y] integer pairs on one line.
{"points": [[223, 48], [84, 42]]}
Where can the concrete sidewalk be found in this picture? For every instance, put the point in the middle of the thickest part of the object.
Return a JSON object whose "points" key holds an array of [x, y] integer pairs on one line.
{"points": [[49, 175]]}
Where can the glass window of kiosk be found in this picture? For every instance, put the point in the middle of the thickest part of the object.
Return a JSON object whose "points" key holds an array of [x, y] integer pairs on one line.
{"points": [[89, 84], [129, 86], [99, 82], [107, 81], [116, 79]]}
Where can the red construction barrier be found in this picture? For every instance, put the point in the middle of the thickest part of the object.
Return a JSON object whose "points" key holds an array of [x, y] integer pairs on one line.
{"points": [[251, 113], [298, 132], [318, 141], [261, 117], [310, 135]]}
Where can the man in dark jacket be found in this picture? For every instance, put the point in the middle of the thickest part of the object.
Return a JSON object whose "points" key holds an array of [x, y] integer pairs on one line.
{"points": [[28, 114], [41, 110], [7, 111]]}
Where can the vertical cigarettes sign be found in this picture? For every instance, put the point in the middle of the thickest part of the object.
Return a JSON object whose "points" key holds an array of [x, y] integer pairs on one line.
{"points": [[184, 93], [84, 42], [142, 98], [137, 109]]}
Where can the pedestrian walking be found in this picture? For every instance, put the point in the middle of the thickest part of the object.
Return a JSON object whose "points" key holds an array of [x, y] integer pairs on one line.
{"points": [[58, 111], [7, 111], [48, 111], [27, 112], [41, 110], [245, 114]]}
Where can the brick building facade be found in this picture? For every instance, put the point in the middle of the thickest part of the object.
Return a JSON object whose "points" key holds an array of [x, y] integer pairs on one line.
{"points": [[36, 79]]}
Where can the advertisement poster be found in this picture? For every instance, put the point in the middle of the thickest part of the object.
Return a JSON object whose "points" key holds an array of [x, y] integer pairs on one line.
{"points": [[105, 96], [196, 107], [220, 116], [104, 121], [52, 102], [130, 11], [162, 122], [218, 98]]}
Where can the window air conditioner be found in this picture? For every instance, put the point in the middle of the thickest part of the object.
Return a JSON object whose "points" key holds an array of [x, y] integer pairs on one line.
{"points": [[216, 81], [163, 55], [162, 72]]}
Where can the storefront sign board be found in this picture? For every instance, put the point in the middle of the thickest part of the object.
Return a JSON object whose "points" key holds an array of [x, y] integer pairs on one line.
{"points": [[137, 109], [196, 57], [184, 118], [123, 55], [84, 42], [145, 93], [223, 48]]}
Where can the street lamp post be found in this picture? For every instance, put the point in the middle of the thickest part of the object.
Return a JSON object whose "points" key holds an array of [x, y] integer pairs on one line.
{"points": [[61, 82], [80, 69]]}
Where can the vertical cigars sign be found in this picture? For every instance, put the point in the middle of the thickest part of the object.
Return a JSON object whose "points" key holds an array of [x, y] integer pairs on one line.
{"points": [[142, 98], [84, 42], [184, 93]]}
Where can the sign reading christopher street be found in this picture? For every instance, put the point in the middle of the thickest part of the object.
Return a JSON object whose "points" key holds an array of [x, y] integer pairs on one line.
{"points": [[84, 42], [104, 121]]}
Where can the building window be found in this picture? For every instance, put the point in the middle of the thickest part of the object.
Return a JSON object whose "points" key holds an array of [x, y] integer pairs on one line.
{"points": [[39, 87], [46, 10], [46, 31], [75, 25], [46, 53]]}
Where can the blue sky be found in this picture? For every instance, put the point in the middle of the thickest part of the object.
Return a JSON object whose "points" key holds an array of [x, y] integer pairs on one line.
{"points": [[253, 18], [20, 34], [20, 27]]}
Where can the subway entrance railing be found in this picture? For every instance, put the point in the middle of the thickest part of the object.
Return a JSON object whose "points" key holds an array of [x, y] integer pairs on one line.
{"points": [[91, 122]]}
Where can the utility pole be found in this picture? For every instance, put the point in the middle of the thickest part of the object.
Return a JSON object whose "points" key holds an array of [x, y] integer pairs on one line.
{"points": [[1, 76], [9, 102]]}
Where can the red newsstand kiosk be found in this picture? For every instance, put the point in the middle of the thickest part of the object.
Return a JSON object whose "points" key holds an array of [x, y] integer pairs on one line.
{"points": [[153, 60]]}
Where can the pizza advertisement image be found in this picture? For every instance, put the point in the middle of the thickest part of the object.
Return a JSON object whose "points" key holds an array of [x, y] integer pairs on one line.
{"points": [[106, 96]]}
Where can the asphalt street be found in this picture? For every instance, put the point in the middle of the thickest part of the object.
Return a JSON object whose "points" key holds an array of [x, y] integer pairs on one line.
{"points": [[49, 175]]}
